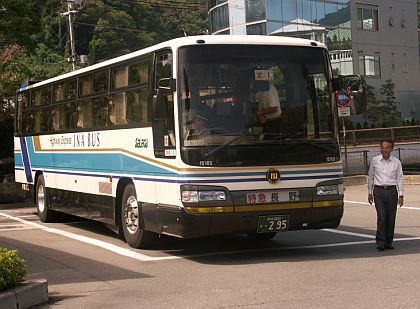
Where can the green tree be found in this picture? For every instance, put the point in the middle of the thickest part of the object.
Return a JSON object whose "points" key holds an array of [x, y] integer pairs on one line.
{"points": [[110, 38], [390, 113], [18, 24], [372, 105]]}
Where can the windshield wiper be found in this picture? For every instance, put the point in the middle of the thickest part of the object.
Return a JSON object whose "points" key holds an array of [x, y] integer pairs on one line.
{"points": [[227, 143]]}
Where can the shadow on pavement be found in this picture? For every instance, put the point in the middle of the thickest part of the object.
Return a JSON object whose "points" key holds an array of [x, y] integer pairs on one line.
{"points": [[60, 267]]}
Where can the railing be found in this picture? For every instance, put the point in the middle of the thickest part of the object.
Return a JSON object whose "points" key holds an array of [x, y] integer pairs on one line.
{"points": [[357, 162], [374, 136]]}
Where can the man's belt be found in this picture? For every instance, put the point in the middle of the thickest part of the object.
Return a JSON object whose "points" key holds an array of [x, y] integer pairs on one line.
{"points": [[386, 187]]}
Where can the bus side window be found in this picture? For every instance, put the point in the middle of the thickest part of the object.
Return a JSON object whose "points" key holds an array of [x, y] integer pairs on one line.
{"points": [[84, 114], [117, 109]]}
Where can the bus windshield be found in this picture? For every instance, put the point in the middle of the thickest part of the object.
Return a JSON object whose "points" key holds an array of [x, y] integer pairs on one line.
{"points": [[247, 105]]}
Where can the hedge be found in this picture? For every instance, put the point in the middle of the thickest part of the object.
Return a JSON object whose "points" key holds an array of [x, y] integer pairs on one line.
{"points": [[12, 269]]}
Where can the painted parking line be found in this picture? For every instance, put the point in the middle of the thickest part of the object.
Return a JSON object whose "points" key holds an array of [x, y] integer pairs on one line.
{"points": [[349, 233], [145, 258], [365, 203], [89, 240]]}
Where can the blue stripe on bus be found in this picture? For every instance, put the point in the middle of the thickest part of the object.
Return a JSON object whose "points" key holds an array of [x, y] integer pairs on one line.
{"points": [[114, 163], [25, 157], [18, 159], [192, 181], [262, 179]]}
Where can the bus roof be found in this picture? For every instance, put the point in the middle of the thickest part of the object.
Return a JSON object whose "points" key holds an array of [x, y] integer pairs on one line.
{"points": [[187, 41]]}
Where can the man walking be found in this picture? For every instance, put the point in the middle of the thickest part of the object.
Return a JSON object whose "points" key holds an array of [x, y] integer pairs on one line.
{"points": [[386, 188]]}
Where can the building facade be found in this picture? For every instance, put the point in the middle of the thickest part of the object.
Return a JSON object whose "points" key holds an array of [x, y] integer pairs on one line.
{"points": [[377, 39]]}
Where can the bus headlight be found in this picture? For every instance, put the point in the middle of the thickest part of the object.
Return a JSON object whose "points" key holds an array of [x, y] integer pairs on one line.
{"points": [[211, 196], [330, 190], [202, 196], [189, 196]]}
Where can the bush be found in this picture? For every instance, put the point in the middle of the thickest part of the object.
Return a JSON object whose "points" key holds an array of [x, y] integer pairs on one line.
{"points": [[12, 269]]}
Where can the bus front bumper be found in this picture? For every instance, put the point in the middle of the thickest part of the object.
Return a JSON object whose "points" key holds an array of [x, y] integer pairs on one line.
{"points": [[191, 222]]}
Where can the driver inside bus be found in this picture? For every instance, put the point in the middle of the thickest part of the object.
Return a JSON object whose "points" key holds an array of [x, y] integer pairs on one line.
{"points": [[199, 124], [269, 108]]}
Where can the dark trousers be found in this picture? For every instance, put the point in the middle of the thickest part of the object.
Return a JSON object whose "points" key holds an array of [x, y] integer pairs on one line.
{"points": [[386, 208]]}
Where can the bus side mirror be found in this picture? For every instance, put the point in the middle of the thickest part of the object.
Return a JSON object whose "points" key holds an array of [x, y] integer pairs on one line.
{"points": [[164, 86], [350, 82], [354, 85], [168, 84]]}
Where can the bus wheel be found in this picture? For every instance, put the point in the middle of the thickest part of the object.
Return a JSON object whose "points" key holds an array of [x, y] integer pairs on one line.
{"points": [[41, 199], [262, 236], [132, 222]]}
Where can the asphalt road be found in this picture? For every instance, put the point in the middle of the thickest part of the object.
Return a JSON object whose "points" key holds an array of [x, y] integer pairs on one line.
{"points": [[87, 265]]}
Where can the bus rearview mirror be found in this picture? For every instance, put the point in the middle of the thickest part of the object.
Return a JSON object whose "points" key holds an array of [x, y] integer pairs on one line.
{"points": [[168, 84]]}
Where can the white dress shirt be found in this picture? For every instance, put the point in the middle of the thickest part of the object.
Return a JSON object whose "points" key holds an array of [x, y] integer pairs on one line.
{"points": [[386, 173], [267, 99]]}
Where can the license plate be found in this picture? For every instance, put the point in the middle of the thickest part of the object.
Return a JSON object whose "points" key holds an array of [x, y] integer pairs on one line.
{"points": [[274, 223]]}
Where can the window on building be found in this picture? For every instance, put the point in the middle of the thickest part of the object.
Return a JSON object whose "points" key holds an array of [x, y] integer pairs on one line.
{"points": [[255, 29], [403, 21], [219, 18], [367, 19], [255, 10], [213, 3], [370, 65]]}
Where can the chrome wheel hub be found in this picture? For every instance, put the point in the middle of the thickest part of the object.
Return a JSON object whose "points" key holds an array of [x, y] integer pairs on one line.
{"points": [[41, 198], [131, 214]]}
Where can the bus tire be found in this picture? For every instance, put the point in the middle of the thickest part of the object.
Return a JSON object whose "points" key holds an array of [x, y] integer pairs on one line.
{"points": [[41, 199], [132, 222], [262, 236]]}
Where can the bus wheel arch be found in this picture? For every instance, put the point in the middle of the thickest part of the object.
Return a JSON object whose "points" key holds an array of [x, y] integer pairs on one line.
{"points": [[130, 220], [42, 199], [122, 183]]}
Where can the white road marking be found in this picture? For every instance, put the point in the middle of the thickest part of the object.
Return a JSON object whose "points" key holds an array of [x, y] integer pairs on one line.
{"points": [[349, 233], [412, 208], [28, 216], [356, 202], [89, 240], [145, 258]]}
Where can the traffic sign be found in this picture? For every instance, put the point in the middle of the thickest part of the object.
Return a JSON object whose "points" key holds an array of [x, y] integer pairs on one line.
{"points": [[343, 111], [343, 97]]}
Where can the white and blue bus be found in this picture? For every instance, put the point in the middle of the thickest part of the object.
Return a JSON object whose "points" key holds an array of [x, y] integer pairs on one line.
{"points": [[117, 142]]}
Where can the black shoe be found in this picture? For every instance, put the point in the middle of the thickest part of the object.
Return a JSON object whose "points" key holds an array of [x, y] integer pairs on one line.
{"points": [[380, 248], [389, 247]]}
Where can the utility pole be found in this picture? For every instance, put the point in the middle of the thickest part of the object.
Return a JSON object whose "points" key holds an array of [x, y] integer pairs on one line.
{"points": [[71, 4]]}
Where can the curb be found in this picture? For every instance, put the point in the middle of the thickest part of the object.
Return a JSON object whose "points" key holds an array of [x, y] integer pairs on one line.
{"points": [[362, 180], [30, 293]]}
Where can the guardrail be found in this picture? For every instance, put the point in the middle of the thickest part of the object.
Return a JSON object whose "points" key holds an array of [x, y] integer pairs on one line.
{"points": [[358, 162], [374, 136]]}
